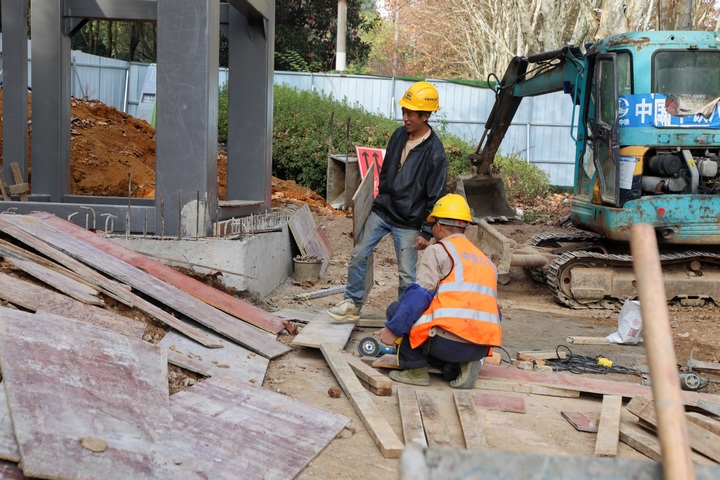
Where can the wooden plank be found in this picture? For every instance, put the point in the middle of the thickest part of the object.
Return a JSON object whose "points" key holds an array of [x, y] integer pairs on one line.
{"points": [[540, 354], [708, 406], [648, 444], [310, 238], [534, 389], [35, 298], [701, 420], [435, 429], [472, 427], [367, 373], [8, 445], [410, 418], [585, 384], [4, 188], [110, 287], [79, 291], [380, 392], [580, 421], [606, 444], [187, 363], [384, 437], [244, 431], [19, 181], [503, 403], [249, 336], [362, 204], [698, 365], [232, 361], [701, 440], [212, 296], [113, 388], [323, 330], [588, 340]]}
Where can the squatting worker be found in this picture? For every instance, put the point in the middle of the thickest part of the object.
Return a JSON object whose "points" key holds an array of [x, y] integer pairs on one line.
{"points": [[412, 179], [449, 319]]}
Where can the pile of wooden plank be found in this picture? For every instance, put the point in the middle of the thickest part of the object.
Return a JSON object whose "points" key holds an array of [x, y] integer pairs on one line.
{"points": [[84, 396]]}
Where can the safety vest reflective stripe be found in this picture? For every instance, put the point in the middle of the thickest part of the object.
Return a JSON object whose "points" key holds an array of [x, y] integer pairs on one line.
{"points": [[465, 301]]}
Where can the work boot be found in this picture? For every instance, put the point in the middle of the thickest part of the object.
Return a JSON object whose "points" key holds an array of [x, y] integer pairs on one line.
{"points": [[468, 374], [412, 376], [345, 311]]}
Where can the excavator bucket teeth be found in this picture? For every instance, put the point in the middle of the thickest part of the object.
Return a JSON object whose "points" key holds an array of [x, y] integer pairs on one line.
{"points": [[486, 196]]}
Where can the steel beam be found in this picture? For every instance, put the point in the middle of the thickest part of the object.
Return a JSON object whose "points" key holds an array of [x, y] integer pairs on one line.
{"points": [[126, 10]]}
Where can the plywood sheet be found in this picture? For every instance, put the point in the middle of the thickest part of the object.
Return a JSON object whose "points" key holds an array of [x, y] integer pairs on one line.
{"points": [[311, 239], [232, 361], [8, 445], [66, 381], [223, 301], [504, 403], [243, 431], [35, 298], [238, 331], [322, 329]]}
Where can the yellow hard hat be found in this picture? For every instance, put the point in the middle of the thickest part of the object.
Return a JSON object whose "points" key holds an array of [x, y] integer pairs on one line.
{"points": [[420, 97], [452, 206]]}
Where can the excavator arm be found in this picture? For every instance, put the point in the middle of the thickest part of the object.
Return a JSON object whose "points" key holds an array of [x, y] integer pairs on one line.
{"points": [[548, 72]]}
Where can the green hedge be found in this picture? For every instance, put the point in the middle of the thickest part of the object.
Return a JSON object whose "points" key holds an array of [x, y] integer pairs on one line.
{"points": [[301, 135]]}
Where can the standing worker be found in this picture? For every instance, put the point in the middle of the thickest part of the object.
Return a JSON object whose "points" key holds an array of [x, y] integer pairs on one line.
{"points": [[412, 179], [450, 318]]}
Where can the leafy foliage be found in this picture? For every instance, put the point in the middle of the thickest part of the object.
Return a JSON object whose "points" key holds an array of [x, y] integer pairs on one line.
{"points": [[524, 182]]}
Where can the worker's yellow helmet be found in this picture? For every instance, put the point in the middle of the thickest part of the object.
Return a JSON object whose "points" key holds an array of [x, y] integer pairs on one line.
{"points": [[420, 97], [452, 207]]}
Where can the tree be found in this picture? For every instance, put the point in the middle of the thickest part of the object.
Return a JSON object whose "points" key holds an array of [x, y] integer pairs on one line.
{"points": [[305, 34]]}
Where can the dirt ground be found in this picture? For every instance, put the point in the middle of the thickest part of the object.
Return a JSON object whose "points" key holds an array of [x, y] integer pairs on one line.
{"points": [[532, 321], [111, 150]]}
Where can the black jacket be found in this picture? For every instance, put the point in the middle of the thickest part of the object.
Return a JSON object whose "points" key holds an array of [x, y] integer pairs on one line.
{"points": [[406, 195]]}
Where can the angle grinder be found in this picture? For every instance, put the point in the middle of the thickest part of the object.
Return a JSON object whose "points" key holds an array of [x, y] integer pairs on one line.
{"points": [[369, 347]]}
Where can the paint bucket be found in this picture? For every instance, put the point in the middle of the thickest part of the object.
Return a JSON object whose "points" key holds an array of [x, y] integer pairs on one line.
{"points": [[307, 269]]}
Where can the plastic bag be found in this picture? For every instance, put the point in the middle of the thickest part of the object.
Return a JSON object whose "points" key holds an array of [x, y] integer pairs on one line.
{"points": [[629, 324]]}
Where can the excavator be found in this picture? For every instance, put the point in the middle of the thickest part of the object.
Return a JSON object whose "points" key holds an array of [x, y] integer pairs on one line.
{"points": [[647, 151]]}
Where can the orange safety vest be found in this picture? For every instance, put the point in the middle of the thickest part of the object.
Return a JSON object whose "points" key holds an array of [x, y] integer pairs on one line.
{"points": [[465, 302]]}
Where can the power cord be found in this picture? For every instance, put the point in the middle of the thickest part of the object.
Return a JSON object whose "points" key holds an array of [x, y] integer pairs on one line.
{"points": [[582, 364]]}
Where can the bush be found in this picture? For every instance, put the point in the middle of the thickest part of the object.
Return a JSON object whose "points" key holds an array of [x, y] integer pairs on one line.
{"points": [[301, 134], [524, 182]]}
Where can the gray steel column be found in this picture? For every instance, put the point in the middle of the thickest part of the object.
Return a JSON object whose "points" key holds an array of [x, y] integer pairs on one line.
{"points": [[51, 101], [187, 118], [15, 83], [250, 111]]}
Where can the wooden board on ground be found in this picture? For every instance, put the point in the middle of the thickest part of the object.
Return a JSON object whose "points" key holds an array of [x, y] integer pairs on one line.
{"points": [[435, 428], [232, 361], [105, 378], [576, 340], [362, 204], [218, 299], [113, 289], [310, 238], [384, 437], [368, 374], [585, 384], [534, 389], [8, 445], [249, 336], [503, 403], [540, 354], [580, 421], [606, 443], [79, 291], [322, 329], [35, 298], [648, 444], [410, 416], [472, 427], [708, 406], [701, 440], [703, 421], [260, 433]]}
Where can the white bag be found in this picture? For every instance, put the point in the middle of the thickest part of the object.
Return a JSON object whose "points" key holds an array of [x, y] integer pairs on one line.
{"points": [[629, 324]]}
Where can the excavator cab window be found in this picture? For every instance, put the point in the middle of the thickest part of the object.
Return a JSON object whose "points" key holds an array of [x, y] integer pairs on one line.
{"points": [[606, 135]]}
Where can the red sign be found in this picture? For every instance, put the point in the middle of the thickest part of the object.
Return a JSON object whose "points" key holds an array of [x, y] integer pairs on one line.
{"points": [[368, 156]]}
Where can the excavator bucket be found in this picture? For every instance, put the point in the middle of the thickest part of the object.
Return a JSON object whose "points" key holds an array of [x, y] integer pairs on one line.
{"points": [[485, 193]]}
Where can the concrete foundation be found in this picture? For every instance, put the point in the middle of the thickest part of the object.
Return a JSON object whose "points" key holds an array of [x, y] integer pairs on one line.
{"points": [[259, 262]]}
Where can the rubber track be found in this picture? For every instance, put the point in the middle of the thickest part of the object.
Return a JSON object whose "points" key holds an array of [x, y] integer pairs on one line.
{"points": [[569, 259], [538, 275]]}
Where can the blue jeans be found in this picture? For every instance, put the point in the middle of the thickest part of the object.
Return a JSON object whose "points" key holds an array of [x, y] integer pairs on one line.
{"points": [[374, 230]]}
